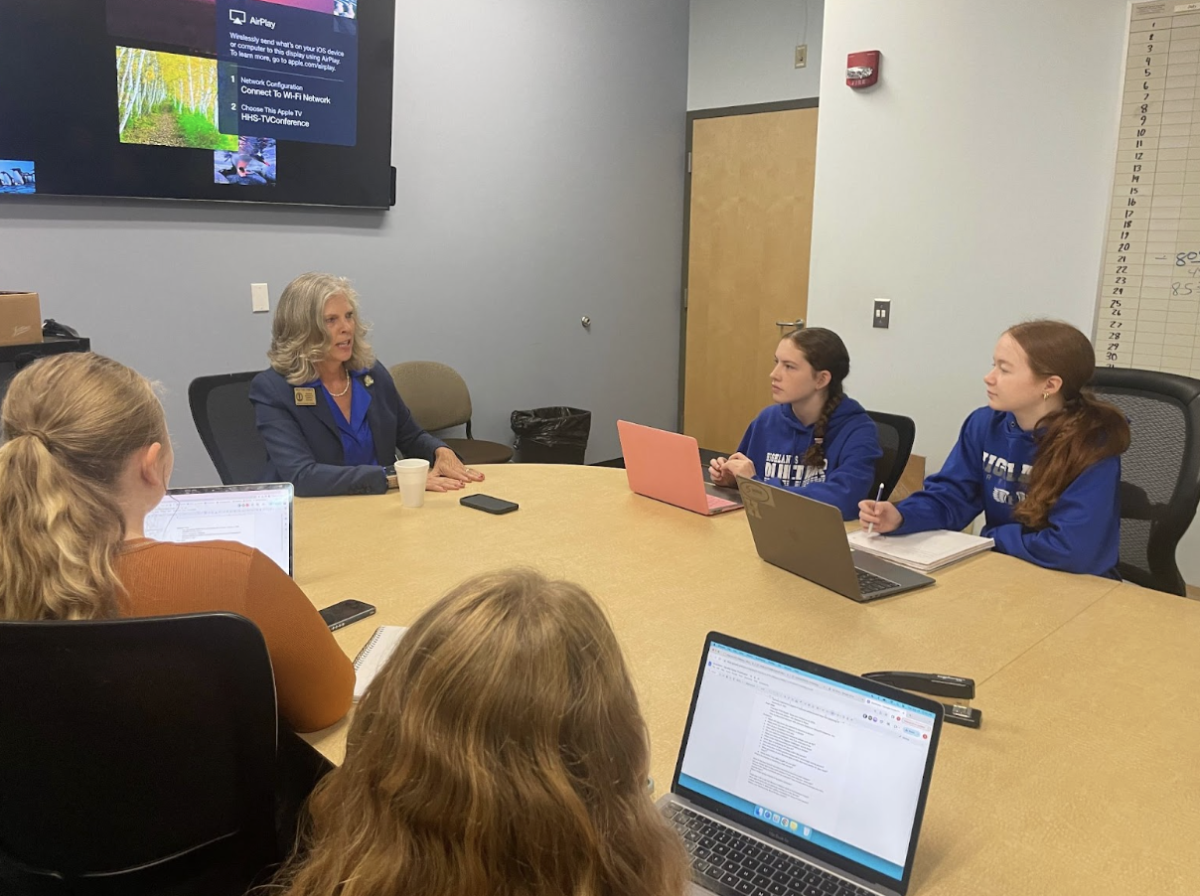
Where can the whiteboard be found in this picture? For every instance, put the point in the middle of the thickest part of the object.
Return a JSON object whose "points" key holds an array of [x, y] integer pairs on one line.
{"points": [[1148, 313]]}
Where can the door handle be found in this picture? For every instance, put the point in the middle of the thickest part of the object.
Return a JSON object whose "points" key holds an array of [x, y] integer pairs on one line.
{"points": [[797, 324]]}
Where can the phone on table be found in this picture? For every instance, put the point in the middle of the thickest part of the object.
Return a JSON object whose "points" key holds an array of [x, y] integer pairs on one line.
{"points": [[344, 612], [488, 504]]}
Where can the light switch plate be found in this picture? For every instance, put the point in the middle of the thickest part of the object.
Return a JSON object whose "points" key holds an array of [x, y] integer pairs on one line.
{"points": [[260, 300], [801, 55], [882, 317]]}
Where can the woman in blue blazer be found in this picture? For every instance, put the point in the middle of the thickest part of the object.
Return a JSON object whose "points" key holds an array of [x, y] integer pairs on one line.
{"points": [[328, 412]]}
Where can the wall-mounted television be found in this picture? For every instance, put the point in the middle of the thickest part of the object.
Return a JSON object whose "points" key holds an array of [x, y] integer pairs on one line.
{"points": [[275, 101]]}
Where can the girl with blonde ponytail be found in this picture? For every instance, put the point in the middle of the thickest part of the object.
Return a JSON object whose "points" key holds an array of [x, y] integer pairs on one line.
{"points": [[70, 424], [814, 439], [85, 457]]}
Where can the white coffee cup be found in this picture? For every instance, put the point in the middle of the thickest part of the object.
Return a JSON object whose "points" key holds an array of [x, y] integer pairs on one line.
{"points": [[411, 474]]}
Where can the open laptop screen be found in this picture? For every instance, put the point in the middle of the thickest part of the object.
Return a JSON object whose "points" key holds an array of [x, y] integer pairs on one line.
{"points": [[259, 516], [832, 765]]}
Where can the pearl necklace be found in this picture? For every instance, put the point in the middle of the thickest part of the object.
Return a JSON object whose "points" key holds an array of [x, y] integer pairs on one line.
{"points": [[345, 390]]}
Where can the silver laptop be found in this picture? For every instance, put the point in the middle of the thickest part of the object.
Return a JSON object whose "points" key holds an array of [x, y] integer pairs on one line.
{"points": [[794, 779], [259, 516], [808, 538]]}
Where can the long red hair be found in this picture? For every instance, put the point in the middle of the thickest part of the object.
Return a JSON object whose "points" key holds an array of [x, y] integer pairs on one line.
{"points": [[1082, 433]]}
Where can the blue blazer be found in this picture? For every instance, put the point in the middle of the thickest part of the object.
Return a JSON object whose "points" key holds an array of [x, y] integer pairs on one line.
{"points": [[305, 448]]}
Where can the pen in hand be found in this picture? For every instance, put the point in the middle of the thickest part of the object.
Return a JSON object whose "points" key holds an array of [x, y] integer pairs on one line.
{"points": [[874, 507]]}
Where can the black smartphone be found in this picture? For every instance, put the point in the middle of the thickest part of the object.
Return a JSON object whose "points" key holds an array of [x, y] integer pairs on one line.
{"points": [[488, 504], [344, 612]]}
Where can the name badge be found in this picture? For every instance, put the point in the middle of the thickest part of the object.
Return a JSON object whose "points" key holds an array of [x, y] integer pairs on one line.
{"points": [[306, 398]]}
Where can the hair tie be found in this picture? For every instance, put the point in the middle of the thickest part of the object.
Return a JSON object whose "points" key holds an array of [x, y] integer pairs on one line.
{"points": [[818, 441], [39, 435]]}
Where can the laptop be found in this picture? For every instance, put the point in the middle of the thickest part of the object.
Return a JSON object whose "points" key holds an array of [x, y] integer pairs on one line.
{"points": [[666, 466], [259, 516], [808, 538], [794, 779]]}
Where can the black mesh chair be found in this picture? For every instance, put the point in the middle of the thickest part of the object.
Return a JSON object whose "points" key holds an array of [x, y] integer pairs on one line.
{"points": [[1160, 473], [137, 757], [896, 436], [225, 420]]}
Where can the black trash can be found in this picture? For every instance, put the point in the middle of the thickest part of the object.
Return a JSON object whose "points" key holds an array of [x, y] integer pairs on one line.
{"points": [[551, 435]]}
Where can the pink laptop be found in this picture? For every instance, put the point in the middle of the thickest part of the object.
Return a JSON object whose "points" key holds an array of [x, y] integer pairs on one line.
{"points": [[666, 466]]}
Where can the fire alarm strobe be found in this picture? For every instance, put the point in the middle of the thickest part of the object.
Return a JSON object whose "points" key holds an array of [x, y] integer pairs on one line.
{"points": [[862, 69]]}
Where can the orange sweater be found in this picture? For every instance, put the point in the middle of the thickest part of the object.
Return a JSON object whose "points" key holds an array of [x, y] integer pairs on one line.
{"points": [[314, 679]]}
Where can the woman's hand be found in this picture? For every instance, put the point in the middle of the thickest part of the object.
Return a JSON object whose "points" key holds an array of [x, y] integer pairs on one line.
{"points": [[882, 514], [442, 483], [717, 474], [447, 466], [724, 471]]}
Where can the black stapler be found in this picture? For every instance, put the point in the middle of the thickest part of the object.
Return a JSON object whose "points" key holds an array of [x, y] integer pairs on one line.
{"points": [[961, 689]]}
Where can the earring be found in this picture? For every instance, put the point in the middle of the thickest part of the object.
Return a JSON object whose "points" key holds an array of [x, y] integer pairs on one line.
{"points": [[1045, 395]]}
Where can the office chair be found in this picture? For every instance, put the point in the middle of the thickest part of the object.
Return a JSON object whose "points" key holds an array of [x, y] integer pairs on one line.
{"points": [[896, 436], [224, 418], [137, 757], [439, 399], [1160, 473]]}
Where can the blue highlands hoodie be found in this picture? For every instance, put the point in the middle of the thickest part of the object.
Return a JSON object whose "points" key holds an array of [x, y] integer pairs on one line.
{"points": [[776, 441], [988, 470]]}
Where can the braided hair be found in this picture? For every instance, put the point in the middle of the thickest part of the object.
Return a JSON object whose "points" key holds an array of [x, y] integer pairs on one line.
{"points": [[824, 350]]}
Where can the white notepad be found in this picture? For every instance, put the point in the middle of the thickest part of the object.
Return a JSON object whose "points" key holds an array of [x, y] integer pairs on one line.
{"points": [[373, 655], [922, 551]]}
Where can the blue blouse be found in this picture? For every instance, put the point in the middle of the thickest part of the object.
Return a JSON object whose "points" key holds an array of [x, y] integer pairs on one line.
{"points": [[358, 443]]}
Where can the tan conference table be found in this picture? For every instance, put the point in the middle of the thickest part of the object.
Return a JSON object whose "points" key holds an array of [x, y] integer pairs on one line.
{"points": [[1085, 777]]}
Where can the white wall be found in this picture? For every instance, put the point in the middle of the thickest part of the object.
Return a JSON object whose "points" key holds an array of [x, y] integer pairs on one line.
{"points": [[540, 148], [743, 51], [970, 187]]}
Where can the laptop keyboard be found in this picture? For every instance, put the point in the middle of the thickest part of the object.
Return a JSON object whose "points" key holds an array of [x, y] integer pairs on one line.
{"points": [[869, 583], [726, 861], [715, 503]]}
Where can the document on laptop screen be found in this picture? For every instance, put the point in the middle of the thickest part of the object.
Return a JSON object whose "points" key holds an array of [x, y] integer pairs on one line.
{"points": [[835, 765], [258, 518]]}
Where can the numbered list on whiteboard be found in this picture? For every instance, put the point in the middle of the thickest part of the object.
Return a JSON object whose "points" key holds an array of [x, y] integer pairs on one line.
{"points": [[1149, 308]]}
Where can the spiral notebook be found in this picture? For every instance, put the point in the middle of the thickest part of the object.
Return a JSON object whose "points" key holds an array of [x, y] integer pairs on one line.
{"points": [[923, 551], [373, 655]]}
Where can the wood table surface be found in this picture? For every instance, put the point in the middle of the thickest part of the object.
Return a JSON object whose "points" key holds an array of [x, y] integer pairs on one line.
{"points": [[1083, 778]]}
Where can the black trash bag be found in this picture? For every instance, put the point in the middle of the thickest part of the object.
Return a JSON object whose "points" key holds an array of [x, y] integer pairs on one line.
{"points": [[551, 435]]}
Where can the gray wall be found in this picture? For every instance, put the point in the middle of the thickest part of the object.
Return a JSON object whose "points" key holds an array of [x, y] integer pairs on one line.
{"points": [[540, 153], [743, 51]]}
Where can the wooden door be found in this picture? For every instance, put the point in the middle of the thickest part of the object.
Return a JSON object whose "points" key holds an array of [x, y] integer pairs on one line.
{"points": [[750, 225]]}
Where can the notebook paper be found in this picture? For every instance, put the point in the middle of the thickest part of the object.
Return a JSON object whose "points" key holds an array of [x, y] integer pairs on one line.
{"points": [[922, 551], [373, 655]]}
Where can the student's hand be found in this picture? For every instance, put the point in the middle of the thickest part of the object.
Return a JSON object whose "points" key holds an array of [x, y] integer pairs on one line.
{"points": [[717, 474], [446, 465], [737, 465], [883, 514]]}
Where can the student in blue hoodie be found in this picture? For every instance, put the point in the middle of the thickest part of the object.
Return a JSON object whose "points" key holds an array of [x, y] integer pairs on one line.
{"points": [[1042, 461], [814, 439]]}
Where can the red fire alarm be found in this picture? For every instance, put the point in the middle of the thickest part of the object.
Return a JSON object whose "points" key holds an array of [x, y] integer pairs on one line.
{"points": [[862, 69]]}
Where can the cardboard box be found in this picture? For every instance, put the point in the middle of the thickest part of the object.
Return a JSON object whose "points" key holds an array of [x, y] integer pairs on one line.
{"points": [[20, 318]]}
